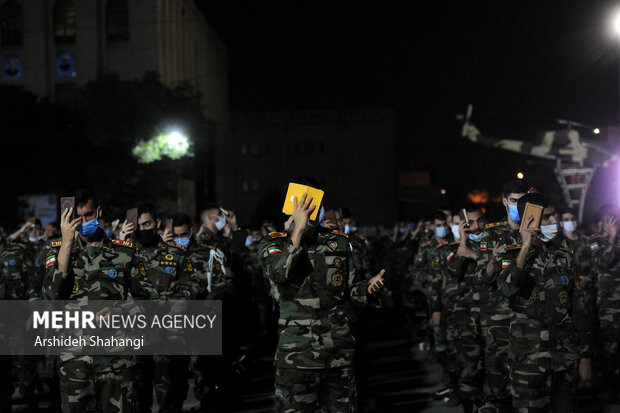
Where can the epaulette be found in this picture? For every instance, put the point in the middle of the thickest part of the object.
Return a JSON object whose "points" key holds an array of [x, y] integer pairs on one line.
{"points": [[278, 234], [174, 244], [207, 246], [566, 249], [123, 243], [337, 232], [454, 243], [425, 244], [56, 244], [493, 225], [363, 238], [513, 247], [593, 236], [19, 244]]}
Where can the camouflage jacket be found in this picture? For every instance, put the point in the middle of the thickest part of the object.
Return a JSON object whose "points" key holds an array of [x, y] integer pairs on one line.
{"points": [[210, 268], [113, 273], [169, 270], [494, 308], [16, 263], [461, 272], [429, 263], [547, 300], [314, 284], [606, 258], [445, 290], [361, 256]]}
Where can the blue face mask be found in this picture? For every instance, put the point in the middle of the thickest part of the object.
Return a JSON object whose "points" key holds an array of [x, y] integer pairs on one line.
{"points": [[320, 218], [441, 232], [475, 237], [513, 213], [88, 228], [109, 234], [182, 241]]}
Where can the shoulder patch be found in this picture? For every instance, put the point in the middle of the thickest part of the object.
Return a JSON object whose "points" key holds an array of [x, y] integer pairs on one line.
{"points": [[566, 249], [360, 236], [278, 234], [173, 244], [513, 247], [19, 244], [56, 244], [342, 234], [493, 225], [123, 243], [425, 244]]}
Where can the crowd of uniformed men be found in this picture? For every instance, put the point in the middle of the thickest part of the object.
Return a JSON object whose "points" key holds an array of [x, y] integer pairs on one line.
{"points": [[520, 320]]}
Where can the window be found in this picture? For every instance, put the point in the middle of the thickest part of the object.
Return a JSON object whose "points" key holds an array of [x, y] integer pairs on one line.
{"points": [[64, 21], [246, 186], [11, 23], [117, 20], [255, 185], [12, 68], [244, 149]]}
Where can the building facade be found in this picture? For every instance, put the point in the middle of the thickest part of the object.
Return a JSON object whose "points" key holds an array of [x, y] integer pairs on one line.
{"points": [[50, 47]]}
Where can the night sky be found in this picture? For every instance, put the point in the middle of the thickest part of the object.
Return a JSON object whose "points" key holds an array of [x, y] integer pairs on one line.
{"points": [[522, 65]]}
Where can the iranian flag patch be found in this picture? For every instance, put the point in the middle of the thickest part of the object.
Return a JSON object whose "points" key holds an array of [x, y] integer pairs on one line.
{"points": [[273, 250], [50, 261], [506, 263]]}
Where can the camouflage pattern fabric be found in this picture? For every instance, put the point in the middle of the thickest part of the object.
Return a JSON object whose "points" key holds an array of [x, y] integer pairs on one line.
{"points": [[494, 320], [466, 323], [606, 257], [210, 268], [549, 329], [108, 272], [16, 263], [301, 391], [315, 283], [171, 272]]}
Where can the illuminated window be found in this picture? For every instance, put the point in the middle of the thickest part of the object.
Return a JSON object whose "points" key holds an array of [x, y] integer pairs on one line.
{"points": [[11, 23], [117, 20], [244, 149], [246, 186], [64, 21]]}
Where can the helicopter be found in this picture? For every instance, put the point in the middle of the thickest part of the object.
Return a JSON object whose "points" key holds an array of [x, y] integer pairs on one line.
{"points": [[576, 159]]}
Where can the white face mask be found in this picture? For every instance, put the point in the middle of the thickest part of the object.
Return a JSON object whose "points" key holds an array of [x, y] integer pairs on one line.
{"points": [[455, 231], [548, 232], [569, 226], [221, 223]]}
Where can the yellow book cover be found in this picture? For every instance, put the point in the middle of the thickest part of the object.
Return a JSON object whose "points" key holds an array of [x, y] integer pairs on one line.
{"points": [[297, 190]]}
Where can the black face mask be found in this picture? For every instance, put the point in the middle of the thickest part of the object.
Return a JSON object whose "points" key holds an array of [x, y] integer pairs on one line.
{"points": [[147, 238]]}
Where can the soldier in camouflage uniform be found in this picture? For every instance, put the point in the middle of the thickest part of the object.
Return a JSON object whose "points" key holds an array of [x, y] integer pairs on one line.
{"points": [[170, 271], [461, 270], [429, 272], [210, 269], [605, 250], [93, 267], [549, 329], [494, 309], [312, 270]]}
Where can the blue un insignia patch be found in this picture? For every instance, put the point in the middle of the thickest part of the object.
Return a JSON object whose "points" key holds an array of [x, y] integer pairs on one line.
{"points": [[169, 270], [112, 273]]}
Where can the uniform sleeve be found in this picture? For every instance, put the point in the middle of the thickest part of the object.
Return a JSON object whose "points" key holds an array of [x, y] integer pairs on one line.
{"points": [[485, 253], [282, 262], [57, 285], [606, 255], [420, 266], [139, 286], [512, 280], [457, 266], [358, 286], [581, 319]]}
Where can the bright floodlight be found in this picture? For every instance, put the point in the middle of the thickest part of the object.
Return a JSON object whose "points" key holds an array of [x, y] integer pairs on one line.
{"points": [[520, 175], [174, 145], [443, 192], [596, 131], [617, 23]]}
